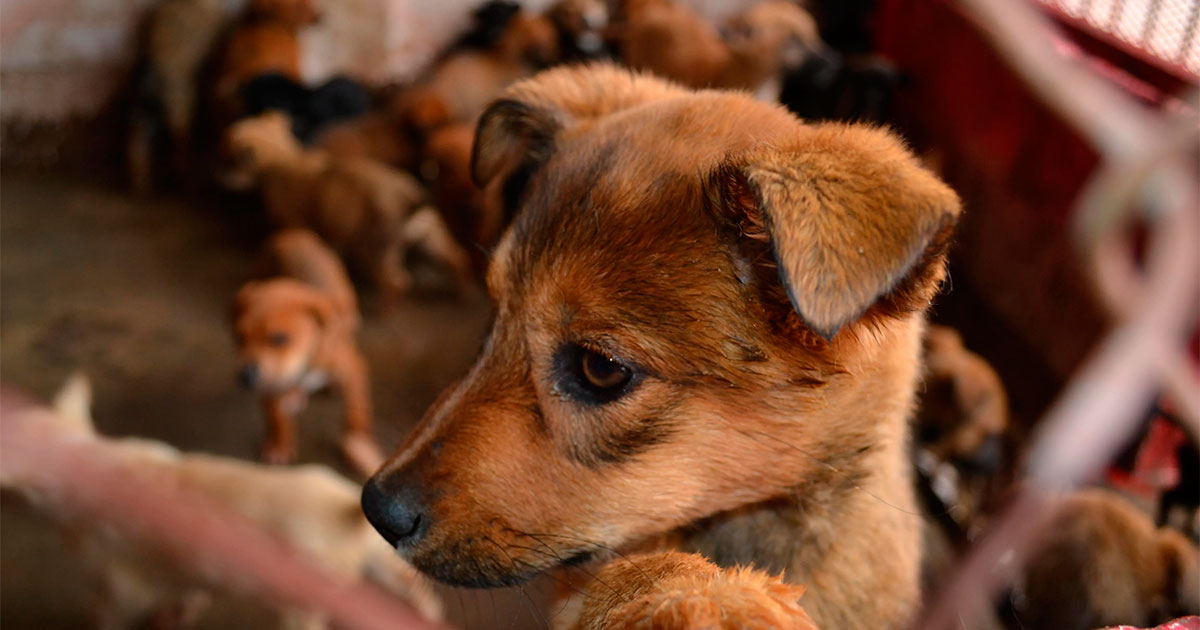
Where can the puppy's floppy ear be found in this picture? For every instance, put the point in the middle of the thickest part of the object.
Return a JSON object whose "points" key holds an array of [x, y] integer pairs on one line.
{"points": [[851, 217], [518, 132]]}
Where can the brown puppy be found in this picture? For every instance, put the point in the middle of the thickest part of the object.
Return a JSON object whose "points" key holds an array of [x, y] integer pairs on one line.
{"points": [[179, 37], [462, 84], [358, 206], [973, 413], [707, 338], [673, 590], [672, 41], [1105, 564], [310, 508], [264, 40], [475, 215], [295, 334]]}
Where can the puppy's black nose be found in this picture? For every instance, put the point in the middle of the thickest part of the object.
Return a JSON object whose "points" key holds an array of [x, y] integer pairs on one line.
{"points": [[395, 509], [248, 375]]}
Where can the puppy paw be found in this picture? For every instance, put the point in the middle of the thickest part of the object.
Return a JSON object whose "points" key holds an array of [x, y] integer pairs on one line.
{"points": [[361, 452], [278, 453], [678, 591]]}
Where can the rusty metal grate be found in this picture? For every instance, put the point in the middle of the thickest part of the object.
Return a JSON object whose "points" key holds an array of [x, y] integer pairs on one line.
{"points": [[1166, 29]]}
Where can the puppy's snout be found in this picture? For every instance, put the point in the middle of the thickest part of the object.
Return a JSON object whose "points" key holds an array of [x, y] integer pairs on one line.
{"points": [[987, 459], [394, 506], [248, 375]]}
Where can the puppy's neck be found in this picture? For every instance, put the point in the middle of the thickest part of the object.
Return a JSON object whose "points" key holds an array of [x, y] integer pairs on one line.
{"points": [[303, 162]]}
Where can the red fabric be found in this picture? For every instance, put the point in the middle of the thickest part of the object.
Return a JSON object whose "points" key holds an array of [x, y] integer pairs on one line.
{"points": [[1156, 467], [1183, 623]]}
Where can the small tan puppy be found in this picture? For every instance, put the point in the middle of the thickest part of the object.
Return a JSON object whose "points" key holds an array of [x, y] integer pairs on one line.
{"points": [[672, 41], [1104, 563], [360, 207], [295, 334], [310, 508]]}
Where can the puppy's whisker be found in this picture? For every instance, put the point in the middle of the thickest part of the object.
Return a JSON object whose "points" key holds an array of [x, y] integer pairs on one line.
{"points": [[588, 543], [556, 558], [533, 608]]}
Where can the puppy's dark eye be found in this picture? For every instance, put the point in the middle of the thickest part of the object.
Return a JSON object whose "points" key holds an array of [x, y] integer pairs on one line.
{"points": [[602, 371], [592, 376], [277, 340]]}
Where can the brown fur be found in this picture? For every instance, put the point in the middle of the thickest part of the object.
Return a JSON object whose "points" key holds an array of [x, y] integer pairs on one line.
{"points": [[179, 37], [311, 508], [358, 206], [374, 135], [679, 591], [294, 333], [265, 40], [475, 215], [672, 41], [764, 421], [1105, 564], [975, 408], [462, 84]]}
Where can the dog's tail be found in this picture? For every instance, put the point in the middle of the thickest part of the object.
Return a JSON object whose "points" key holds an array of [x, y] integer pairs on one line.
{"points": [[385, 568], [73, 403]]}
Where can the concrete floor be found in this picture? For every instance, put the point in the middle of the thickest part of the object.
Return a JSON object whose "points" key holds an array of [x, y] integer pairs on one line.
{"points": [[136, 293]]}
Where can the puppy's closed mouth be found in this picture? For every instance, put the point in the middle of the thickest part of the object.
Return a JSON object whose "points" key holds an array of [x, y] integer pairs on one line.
{"points": [[507, 567]]}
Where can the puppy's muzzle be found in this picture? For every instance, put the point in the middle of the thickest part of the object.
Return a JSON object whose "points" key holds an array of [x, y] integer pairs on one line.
{"points": [[248, 375], [395, 507]]}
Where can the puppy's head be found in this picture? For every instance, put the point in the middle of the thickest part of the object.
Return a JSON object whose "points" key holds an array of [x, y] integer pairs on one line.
{"points": [[530, 39], [775, 29], [278, 326], [252, 144], [697, 295]]}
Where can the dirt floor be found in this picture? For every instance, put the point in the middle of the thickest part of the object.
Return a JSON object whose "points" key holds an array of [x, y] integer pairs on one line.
{"points": [[135, 293]]}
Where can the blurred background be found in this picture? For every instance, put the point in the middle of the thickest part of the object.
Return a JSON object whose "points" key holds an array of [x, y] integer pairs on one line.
{"points": [[122, 243]]}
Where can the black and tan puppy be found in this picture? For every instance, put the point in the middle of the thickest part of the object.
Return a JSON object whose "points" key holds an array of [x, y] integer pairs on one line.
{"points": [[707, 339]]}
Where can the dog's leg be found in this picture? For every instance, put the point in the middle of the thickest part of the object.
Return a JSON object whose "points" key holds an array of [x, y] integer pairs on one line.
{"points": [[426, 230], [358, 444], [391, 278], [678, 591], [279, 447]]}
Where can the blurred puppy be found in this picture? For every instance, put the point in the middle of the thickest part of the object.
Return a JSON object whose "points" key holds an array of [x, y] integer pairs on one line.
{"points": [[680, 591], [179, 37], [310, 508], [582, 26], [964, 413], [474, 215], [461, 85], [672, 41], [295, 334], [358, 206], [707, 339], [1103, 563], [265, 40]]}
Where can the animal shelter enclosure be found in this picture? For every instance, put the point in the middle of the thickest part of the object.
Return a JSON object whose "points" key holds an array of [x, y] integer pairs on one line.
{"points": [[310, 318]]}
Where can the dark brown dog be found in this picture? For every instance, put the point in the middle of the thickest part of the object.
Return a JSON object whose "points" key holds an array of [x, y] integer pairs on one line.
{"points": [[295, 334], [1104, 564], [708, 336]]}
